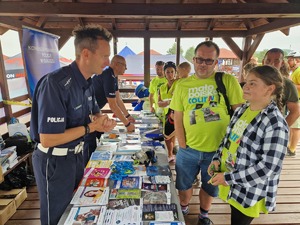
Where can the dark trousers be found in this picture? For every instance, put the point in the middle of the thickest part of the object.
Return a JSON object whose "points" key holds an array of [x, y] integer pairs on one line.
{"points": [[238, 218], [90, 145], [56, 178]]}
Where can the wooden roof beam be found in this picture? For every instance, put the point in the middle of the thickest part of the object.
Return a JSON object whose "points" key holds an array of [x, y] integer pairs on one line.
{"points": [[14, 24], [178, 33], [233, 46], [100, 10], [274, 26]]}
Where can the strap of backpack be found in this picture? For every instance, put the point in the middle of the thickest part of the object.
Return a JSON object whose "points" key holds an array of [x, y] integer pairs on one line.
{"points": [[221, 89]]}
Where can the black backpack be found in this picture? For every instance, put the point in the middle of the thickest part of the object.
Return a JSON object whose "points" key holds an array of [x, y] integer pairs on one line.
{"points": [[221, 89]]}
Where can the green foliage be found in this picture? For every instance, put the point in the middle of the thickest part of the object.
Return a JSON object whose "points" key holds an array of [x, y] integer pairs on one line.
{"points": [[172, 50], [189, 54]]}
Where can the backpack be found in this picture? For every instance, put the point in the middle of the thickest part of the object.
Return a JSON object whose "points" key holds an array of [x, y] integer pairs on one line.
{"points": [[221, 89]]}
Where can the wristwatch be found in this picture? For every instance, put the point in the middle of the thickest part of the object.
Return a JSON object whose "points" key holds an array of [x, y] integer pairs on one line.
{"points": [[87, 129]]}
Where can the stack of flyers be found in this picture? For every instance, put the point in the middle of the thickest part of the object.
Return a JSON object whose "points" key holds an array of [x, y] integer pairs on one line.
{"points": [[125, 193], [97, 172], [94, 182], [86, 196], [130, 182], [160, 212], [99, 164], [129, 215], [160, 179], [92, 215], [159, 197], [107, 146], [156, 187], [122, 158], [128, 148], [102, 155], [122, 203]]}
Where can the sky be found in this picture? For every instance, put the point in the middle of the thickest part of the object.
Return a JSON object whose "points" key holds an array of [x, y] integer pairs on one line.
{"points": [[10, 43]]}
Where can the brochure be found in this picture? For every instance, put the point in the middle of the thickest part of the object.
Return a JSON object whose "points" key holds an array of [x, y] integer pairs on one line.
{"points": [[86, 196], [93, 215]]}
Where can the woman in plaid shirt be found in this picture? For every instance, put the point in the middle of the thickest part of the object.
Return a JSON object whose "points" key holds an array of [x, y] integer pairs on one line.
{"points": [[248, 162]]}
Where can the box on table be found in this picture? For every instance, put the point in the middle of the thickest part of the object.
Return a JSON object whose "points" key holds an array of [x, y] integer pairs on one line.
{"points": [[18, 195], [7, 209]]}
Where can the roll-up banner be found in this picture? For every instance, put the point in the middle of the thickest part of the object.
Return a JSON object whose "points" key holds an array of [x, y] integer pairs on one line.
{"points": [[41, 54]]}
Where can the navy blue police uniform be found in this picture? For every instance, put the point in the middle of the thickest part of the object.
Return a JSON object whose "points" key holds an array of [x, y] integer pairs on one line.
{"points": [[105, 86], [62, 99]]}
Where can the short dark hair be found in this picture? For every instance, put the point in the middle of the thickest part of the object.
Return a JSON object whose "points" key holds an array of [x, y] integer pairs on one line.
{"points": [[87, 36], [275, 50], [170, 64], [208, 44], [159, 63]]}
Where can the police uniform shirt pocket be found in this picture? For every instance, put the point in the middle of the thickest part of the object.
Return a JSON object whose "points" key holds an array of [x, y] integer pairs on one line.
{"points": [[75, 115]]}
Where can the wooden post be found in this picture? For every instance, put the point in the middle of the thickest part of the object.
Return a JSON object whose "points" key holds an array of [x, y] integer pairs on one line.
{"points": [[147, 61]]}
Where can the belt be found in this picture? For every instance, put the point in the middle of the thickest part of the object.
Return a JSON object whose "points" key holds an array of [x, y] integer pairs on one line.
{"points": [[62, 151]]}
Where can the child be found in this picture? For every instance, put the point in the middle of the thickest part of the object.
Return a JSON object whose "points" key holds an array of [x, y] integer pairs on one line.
{"points": [[183, 70], [248, 163]]}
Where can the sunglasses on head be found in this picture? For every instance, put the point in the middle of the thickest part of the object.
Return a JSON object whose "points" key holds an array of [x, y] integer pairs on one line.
{"points": [[200, 60]]}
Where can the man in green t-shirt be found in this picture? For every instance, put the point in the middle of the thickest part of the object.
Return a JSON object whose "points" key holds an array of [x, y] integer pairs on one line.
{"points": [[201, 119], [155, 84], [290, 100]]}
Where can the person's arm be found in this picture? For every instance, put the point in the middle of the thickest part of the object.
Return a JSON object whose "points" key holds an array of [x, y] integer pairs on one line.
{"points": [[123, 108], [294, 112], [101, 124], [151, 102], [180, 133], [269, 163], [113, 105], [162, 103]]}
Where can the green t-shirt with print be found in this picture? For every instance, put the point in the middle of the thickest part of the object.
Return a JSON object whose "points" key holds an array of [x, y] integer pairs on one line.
{"points": [[296, 78], [205, 116], [228, 160], [166, 93], [153, 89]]}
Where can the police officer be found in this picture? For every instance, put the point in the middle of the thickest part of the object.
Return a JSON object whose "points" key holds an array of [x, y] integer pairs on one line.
{"points": [[61, 107], [107, 91]]}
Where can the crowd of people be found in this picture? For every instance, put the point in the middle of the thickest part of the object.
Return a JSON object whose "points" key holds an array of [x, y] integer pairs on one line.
{"points": [[239, 157]]}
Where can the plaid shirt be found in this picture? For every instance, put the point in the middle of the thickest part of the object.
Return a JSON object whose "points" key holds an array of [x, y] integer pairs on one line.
{"points": [[259, 157]]}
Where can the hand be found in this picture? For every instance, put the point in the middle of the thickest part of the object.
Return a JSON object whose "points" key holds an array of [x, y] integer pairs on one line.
{"points": [[217, 179], [131, 127], [104, 124], [213, 167], [131, 119], [152, 109]]}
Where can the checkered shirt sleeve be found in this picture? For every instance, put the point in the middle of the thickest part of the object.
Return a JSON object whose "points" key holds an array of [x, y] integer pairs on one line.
{"points": [[259, 157]]}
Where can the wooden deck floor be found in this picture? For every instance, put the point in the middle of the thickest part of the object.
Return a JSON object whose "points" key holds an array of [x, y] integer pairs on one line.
{"points": [[288, 203]]}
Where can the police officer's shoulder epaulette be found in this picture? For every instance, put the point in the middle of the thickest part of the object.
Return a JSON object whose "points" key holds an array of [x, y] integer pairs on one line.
{"points": [[65, 77]]}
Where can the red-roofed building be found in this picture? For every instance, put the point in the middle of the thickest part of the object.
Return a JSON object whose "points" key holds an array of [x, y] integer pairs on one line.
{"points": [[228, 61], [152, 52]]}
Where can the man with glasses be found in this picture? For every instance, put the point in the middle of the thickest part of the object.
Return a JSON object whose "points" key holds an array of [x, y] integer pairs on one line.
{"points": [[290, 100], [154, 86], [107, 91], [201, 119]]}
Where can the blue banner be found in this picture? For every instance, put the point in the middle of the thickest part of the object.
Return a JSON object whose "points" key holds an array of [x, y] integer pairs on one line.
{"points": [[41, 55]]}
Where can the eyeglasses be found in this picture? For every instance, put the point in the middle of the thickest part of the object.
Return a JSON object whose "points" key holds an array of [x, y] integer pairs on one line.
{"points": [[200, 60]]}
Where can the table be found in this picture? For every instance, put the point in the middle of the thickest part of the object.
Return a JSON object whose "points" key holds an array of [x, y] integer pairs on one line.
{"points": [[162, 160]]}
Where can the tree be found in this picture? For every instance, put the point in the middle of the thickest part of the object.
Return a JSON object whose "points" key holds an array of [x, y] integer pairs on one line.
{"points": [[172, 50], [189, 54]]}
